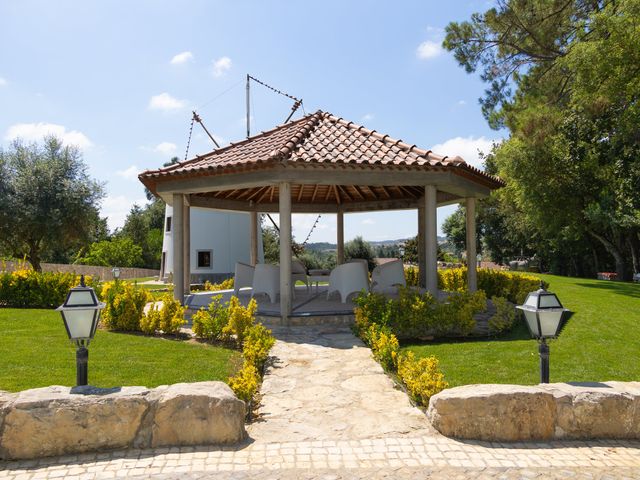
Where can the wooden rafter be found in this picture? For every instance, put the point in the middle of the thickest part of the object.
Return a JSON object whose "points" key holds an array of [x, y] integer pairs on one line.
{"points": [[273, 189], [356, 188], [300, 192], [326, 197], [345, 192], [335, 190], [264, 194], [257, 192], [315, 190], [385, 191]]}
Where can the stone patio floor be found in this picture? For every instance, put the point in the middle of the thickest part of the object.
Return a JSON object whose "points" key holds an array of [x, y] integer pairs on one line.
{"points": [[328, 411]]}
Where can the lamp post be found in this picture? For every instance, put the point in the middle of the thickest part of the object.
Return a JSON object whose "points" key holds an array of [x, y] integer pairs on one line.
{"points": [[543, 313], [80, 314], [116, 273]]}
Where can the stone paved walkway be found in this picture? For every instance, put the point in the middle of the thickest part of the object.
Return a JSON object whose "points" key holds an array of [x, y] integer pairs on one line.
{"points": [[329, 412]]}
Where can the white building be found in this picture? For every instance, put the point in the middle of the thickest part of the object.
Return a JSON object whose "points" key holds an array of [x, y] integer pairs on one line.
{"points": [[219, 239]]}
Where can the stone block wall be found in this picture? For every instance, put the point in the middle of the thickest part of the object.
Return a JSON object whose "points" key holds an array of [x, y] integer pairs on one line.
{"points": [[544, 412], [60, 421], [104, 273]]}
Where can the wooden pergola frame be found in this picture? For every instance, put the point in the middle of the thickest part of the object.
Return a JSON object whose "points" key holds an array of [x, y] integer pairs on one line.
{"points": [[288, 185]]}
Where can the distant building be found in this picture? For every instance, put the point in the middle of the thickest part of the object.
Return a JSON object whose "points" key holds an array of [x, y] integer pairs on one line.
{"points": [[219, 239]]}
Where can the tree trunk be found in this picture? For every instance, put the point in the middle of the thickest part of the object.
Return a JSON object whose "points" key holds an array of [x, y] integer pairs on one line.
{"points": [[596, 263], [33, 256], [633, 246], [614, 251]]}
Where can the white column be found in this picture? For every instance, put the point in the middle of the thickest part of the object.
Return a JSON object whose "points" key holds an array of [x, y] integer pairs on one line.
{"points": [[431, 239], [472, 273], [340, 237], [284, 200], [178, 248], [421, 247], [186, 222], [254, 237]]}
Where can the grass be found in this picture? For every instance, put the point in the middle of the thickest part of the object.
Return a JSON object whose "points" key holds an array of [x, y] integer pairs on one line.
{"points": [[599, 343], [35, 352]]}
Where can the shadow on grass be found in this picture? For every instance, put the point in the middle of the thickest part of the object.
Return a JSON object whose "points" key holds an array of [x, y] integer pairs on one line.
{"points": [[621, 288]]}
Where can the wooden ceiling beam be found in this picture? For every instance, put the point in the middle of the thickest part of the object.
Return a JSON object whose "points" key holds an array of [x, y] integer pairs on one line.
{"points": [[300, 192], [357, 190], [313, 196], [345, 192]]}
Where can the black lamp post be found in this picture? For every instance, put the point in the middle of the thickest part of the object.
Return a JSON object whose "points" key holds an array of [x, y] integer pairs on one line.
{"points": [[81, 314], [544, 314]]}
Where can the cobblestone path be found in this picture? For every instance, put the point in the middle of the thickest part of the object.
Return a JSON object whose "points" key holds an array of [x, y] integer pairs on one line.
{"points": [[329, 412]]}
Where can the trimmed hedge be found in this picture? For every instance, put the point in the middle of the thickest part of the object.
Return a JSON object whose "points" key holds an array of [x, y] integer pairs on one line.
{"points": [[30, 289]]}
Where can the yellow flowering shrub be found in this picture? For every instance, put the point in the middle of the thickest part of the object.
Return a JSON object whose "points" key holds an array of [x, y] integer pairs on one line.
{"points": [[245, 383], [422, 377], [214, 287], [412, 275], [240, 319], [257, 343], [26, 288], [124, 306], [385, 347], [208, 323]]}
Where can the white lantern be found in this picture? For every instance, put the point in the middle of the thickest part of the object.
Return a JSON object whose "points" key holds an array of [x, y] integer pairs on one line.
{"points": [[81, 313], [543, 313]]}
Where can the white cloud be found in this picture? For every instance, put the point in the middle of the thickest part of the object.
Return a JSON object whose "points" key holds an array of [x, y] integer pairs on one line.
{"points": [[221, 66], [181, 58], [130, 173], [165, 148], [368, 221], [3, 82], [429, 49], [116, 208], [35, 132], [367, 117], [165, 102], [466, 147], [461, 103]]}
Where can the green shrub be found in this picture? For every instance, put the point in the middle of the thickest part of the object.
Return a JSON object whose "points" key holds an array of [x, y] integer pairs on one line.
{"points": [[505, 315], [422, 377], [412, 276], [415, 315], [208, 323], [495, 283], [257, 343], [215, 287], [124, 306], [25, 288], [150, 323], [245, 383], [240, 319]]}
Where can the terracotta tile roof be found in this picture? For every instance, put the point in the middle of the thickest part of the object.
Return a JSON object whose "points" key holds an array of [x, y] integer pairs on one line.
{"points": [[318, 138]]}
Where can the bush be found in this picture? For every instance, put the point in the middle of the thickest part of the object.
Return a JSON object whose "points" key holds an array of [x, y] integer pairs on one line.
{"points": [[385, 347], [412, 276], [358, 248], [415, 315], [240, 319], [245, 383], [208, 324], [495, 283], [422, 377], [124, 308], [257, 343], [505, 315], [27, 288], [215, 287]]}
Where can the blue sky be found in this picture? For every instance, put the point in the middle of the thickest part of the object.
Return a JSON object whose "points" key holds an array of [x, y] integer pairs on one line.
{"points": [[120, 80]]}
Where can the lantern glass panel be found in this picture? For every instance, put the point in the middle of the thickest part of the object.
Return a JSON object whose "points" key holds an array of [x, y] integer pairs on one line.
{"points": [[79, 322], [80, 297], [532, 300], [550, 321], [532, 321], [549, 301]]}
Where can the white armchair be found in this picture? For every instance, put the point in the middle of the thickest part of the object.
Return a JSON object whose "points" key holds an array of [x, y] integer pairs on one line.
{"points": [[266, 279], [298, 272], [348, 278], [243, 277], [388, 276]]}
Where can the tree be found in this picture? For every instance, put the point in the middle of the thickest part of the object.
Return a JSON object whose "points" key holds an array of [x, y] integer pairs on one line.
{"points": [[358, 248], [47, 200], [118, 252], [563, 78]]}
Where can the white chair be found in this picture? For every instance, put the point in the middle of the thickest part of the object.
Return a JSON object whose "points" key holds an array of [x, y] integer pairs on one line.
{"points": [[298, 272], [388, 276], [362, 261], [348, 278], [266, 279], [243, 277]]}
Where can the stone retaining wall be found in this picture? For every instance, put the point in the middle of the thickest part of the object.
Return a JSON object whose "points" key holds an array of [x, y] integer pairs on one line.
{"points": [[543, 412], [59, 420], [104, 273]]}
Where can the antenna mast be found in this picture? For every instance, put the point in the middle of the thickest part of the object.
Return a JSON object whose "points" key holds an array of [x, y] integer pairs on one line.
{"points": [[248, 108]]}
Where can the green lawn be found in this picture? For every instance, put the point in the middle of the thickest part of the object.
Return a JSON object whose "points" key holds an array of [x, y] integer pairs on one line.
{"points": [[35, 352], [600, 342]]}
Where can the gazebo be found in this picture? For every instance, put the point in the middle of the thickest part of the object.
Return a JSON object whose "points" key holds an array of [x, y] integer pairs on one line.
{"points": [[320, 164]]}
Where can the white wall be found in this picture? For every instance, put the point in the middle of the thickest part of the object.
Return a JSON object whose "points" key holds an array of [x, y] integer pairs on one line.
{"points": [[226, 234]]}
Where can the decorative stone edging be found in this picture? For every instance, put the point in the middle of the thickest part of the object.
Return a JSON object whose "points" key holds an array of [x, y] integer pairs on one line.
{"points": [[61, 420], [609, 410]]}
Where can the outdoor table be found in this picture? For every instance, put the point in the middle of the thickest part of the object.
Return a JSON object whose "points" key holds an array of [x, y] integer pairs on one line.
{"points": [[319, 275]]}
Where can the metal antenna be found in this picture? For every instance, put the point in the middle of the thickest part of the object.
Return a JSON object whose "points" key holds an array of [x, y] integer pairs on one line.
{"points": [[248, 108], [197, 118]]}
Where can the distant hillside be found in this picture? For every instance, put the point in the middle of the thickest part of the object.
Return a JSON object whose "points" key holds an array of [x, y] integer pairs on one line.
{"points": [[324, 246]]}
